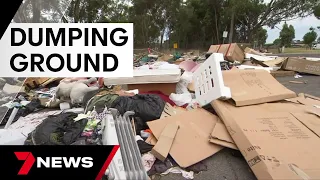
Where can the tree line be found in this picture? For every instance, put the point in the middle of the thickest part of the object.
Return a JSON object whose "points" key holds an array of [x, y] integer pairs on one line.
{"points": [[190, 23]]}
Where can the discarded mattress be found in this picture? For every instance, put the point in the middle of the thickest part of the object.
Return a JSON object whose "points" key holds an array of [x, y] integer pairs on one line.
{"points": [[143, 76]]}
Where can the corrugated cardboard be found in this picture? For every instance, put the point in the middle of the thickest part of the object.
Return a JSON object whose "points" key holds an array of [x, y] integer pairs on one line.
{"points": [[235, 53], [302, 65], [191, 143], [271, 63], [306, 114], [221, 136], [232, 52], [252, 51], [213, 49], [163, 146], [282, 73], [171, 111], [250, 87], [151, 140], [276, 145]]}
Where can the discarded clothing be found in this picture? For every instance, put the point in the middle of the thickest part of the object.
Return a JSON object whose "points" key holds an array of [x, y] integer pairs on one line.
{"points": [[198, 167], [144, 147], [33, 106], [160, 167], [57, 130], [32, 120], [146, 106], [164, 97], [177, 170], [148, 161], [100, 102]]}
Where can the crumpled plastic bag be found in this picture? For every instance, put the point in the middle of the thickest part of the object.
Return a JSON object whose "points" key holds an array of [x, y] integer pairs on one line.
{"points": [[182, 85], [181, 99]]}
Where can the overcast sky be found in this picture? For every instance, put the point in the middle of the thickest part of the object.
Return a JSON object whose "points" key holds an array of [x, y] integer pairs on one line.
{"points": [[300, 25]]}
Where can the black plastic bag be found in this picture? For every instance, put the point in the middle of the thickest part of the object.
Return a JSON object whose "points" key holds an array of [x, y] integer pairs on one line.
{"points": [[147, 107]]}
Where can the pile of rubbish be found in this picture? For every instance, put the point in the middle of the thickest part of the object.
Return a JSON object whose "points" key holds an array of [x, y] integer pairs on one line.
{"points": [[178, 110]]}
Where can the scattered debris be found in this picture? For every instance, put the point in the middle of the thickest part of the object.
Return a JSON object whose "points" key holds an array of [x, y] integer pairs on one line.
{"points": [[298, 82], [187, 107]]}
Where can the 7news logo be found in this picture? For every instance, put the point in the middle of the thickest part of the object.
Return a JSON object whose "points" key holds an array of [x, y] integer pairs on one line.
{"points": [[51, 162]]}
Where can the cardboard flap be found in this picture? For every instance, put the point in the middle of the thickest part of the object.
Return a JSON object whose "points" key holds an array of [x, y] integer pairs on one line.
{"points": [[221, 136], [311, 121], [191, 143], [163, 146], [249, 87]]}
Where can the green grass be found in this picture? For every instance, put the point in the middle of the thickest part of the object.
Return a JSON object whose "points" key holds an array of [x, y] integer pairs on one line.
{"points": [[297, 50]]}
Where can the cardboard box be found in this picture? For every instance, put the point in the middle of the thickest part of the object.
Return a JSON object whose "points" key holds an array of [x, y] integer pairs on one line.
{"points": [[166, 88], [163, 146], [272, 139], [232, 52], [252, 51], [302, 66], [282, 73], [191, 144], [250, 87]]}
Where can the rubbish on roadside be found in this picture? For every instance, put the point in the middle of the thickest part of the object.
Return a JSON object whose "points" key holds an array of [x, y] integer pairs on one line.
{"points": [[166, 88], [191, 143], [153, 56], [171, 111], [252, 51], [208, 81], [260, 58], [277, 62], [147, 76], [151, 140], [298, 82], [231, 52], [130, 155], [280, 73], [181, 99], [12, 89], [312, 59], [165, 57], [312, 97], [302, 66], [297, 76], [164, 143], [250, 87], [191, 87], [185, 80], [187, 65], [245, 67], [305, 101], [177, 170]]}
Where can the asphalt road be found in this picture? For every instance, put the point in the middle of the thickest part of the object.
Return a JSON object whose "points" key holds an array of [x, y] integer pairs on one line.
{"points": [[225, 165]]}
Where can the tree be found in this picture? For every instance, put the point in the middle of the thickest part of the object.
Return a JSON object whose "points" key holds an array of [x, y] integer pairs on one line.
{"points": [[316, 11], [277, 42], [310, 37], [287, 35], [261, 36]]}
